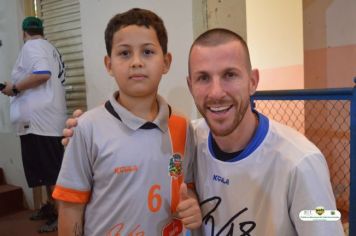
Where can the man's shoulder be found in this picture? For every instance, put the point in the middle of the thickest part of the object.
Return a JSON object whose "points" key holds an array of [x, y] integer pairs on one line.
{"points": [[37, 46], [199, 124], [35, 43], [201, 129], [291, 140]]}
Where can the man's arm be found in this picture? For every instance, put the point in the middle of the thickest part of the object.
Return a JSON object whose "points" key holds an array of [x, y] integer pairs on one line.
{"points": [[70, 220], [70, 124], [32, 81], [309, 188]]}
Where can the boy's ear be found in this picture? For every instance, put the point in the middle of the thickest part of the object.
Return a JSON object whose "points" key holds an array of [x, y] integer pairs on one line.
{"points": [[167, 62], [107, 62]]}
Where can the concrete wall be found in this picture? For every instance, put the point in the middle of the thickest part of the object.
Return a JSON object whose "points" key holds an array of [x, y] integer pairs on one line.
{"points": [[330, 43]]}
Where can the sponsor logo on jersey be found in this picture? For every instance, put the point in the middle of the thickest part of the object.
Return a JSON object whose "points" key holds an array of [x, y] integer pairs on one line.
{"points": [[125, 169], [220, 179], [175, 165], [319, 214]]}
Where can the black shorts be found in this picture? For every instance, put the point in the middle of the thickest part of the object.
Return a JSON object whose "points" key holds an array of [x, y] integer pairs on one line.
{"points": [[42, 159]]}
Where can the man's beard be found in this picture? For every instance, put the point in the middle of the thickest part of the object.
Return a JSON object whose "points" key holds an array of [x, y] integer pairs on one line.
{"points": [[239, 115]]}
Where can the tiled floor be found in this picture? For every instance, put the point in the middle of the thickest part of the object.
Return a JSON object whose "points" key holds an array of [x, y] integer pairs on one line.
{"points": [[18, 224]]}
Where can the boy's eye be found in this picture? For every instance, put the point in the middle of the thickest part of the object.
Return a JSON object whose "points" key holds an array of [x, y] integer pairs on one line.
{"points": [[147, 52], [124, 53]]}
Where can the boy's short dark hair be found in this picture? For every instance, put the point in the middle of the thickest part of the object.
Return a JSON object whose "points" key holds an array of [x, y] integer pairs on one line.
{"points": [[139, 17]]}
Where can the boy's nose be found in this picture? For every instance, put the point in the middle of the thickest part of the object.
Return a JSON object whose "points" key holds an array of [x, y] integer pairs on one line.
{"points": [[136, 61]]}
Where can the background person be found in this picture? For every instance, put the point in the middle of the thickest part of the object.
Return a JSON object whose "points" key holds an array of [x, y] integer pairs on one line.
{"points": [[38, 112]]}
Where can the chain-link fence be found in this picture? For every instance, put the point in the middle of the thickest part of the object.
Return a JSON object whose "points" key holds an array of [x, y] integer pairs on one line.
{"points": [[328, 119]]}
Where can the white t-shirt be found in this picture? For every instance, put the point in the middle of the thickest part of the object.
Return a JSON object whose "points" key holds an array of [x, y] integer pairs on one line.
{"points": [[40, 110], [263, 189]]}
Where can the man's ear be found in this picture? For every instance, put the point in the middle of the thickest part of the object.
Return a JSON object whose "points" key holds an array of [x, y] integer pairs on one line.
{"points": [[255, 78], [107, 62], [167, 62], [189, 83]]}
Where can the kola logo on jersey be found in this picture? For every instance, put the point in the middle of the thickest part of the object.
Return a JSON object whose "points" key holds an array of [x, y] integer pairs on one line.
{"points": [[175, 165], [220, 179]]}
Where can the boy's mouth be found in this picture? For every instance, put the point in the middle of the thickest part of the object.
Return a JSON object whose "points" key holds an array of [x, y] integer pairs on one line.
{"points": [[138, 77]]}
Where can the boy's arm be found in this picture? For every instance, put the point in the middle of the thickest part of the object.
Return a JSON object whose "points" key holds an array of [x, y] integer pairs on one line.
{"points": [[70, 220], [188, 209]]}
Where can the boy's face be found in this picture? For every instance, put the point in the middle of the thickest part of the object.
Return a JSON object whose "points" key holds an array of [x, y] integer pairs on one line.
{"points": [[137, 61]]}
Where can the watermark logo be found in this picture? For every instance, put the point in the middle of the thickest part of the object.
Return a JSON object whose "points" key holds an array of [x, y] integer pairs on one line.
{"points": [[319, 210], [319, 214]]}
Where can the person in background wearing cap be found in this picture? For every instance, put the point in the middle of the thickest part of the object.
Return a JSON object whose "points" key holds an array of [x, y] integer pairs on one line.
{"points": [[38, 113]]}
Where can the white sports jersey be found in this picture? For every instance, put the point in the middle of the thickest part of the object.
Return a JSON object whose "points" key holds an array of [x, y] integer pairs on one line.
{"points": [[264, 188], [124, 173], [40, 110]]}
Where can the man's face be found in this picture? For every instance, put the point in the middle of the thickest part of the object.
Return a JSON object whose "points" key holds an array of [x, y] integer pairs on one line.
{"points": [[221, 83]]}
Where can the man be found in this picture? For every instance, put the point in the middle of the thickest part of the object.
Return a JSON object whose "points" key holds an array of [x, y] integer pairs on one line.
{"points": [[38, 112], [253, 175]]}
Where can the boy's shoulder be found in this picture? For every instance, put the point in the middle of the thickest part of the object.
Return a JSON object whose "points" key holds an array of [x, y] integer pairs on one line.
{"points": [[93, 115]]}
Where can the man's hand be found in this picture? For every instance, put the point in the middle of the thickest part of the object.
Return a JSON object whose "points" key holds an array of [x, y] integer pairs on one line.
{"points": [[70, 124], [8, 89], [188, 210]]}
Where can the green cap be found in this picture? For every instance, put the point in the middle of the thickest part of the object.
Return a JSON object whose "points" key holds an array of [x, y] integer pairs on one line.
{"points": [[32, 22]]}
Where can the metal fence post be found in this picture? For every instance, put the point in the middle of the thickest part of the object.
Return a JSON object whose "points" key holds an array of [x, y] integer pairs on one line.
{"points": [[352, 210]]}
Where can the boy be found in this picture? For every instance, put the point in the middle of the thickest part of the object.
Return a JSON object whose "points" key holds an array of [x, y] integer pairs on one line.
{"points": [[123, 169]]}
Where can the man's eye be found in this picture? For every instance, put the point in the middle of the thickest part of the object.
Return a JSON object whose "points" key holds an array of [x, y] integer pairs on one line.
{"points": [[203, 78], [230, 75]]}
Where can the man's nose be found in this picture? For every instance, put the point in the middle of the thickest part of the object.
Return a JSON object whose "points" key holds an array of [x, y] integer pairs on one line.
{"points": [[216, 90]]}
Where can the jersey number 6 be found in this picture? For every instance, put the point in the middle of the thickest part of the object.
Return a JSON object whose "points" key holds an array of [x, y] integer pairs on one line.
{"points": [[154, 198]]}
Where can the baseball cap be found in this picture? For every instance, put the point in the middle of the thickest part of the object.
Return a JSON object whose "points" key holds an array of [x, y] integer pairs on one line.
{"points": [[32, 22]]}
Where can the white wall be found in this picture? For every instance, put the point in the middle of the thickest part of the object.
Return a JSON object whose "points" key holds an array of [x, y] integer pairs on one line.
{"points": [[275, 39], [177, 16], [275, 32], [11, 15], [10, 35]]}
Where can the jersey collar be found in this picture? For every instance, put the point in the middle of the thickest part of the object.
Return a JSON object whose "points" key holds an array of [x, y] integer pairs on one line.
{"points": [[257, 139], [134, 122]]}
